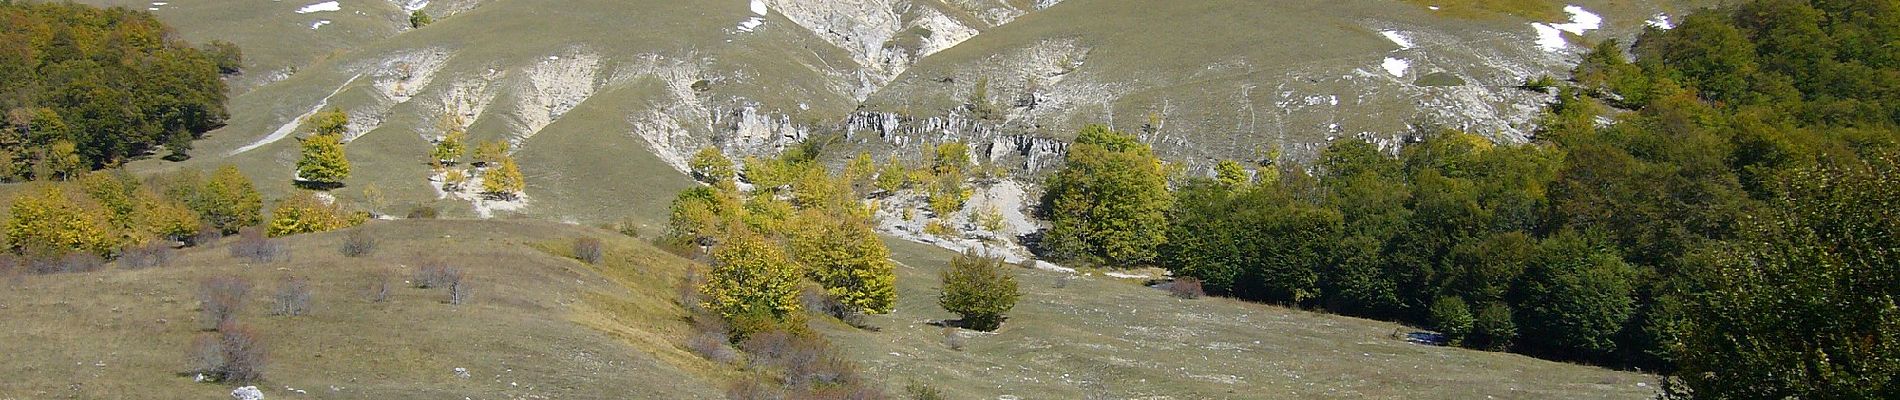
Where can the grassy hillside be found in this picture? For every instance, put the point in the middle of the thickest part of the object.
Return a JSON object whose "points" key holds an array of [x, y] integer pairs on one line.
{"points": [[538, 326], [541, 324], [1102, 335]]}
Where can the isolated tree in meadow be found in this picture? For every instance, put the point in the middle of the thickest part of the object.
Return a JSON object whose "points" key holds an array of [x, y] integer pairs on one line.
{"points": [[324, 162], [1109, 203], [504, 180], [419, 19], [490, 152], [450, 147], [981, 289]]}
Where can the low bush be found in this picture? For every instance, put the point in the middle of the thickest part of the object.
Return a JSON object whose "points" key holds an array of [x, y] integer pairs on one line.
{"points": [[292, 297], [816, 301], [589, 250], [1452, 318], [754, 388], [81, 262], [378, 287], [235, 354], [220, 299], [713, 346], [207, 235], [953, 339], [255, 247], [152, 254], [920, 391], [423, 212], [459, 288], [359, 243], [1186, 287]]}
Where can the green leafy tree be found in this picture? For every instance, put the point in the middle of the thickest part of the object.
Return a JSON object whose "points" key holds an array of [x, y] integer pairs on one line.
{"points": [[1452, 318], [892, 177], [1575, 299], [1109, 202], [450, 147], [1492, 329], [323, 162], [980, 289], [228, 201], [1230, 173], [419, 19], [490, 152]]}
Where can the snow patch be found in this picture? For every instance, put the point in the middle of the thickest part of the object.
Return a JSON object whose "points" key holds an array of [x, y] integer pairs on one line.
{"points": [[758, 7], [1550, 37], [1660, 21], [1398, 38], [750, 23], [1395, 66], [319, 24], [319, 7]]}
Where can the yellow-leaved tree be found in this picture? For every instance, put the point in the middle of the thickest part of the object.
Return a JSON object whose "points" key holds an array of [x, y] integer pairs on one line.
{"points": [[229, 201], [47, 222], [752, 284], [504, 179], [303, 212], [848, 259]]}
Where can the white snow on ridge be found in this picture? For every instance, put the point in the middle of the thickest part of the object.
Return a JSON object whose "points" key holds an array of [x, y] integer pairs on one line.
{"points": [[1550, 37], [1660, 21], [324, 6], [1396, 67], [1398, 38], [758, 7]]}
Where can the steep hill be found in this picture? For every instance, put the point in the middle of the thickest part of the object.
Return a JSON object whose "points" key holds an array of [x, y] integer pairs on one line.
{"points": [[604, 99]]}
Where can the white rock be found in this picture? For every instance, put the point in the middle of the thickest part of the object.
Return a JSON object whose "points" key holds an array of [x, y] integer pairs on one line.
{"points": [[247, 393], [461, 373]]}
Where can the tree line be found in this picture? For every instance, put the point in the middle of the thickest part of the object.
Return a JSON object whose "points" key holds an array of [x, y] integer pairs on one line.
{"points": [[1715, 201], [86, 88]]}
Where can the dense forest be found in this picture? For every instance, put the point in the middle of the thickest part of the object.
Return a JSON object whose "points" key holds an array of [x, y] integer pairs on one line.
{"points": [[1716, 200], [85, 88]]}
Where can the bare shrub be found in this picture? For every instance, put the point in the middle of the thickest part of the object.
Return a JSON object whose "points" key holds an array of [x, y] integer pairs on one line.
{"points": [[627, 227], [149, 255], [825, 369], [206, 355], [207, 234], [754, 388], [378, 287], [293, 297], [856, 391], [219, 299], [953, 339], [459, 289], [1062, 282], [589, 250], [712, 346], [244, 353], [433, 273], [358, 243], [81, 262], [1186, 287], [688, 292], [253, 246]]}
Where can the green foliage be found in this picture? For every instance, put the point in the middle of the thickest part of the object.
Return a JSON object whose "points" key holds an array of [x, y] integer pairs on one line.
{"points": [[303, 212], [323, 162], [770, 174], [892, 177], [697, 214], [1231, 174], [1452, 318], [751, 278], [949, 158], [333, 122], [491, 152], [451, 146], [1803, 304], [1493, 329], [860, 173], [1108, 204], [419, 19], [113, 83], [228, 57], [849, 260], [978, 288], [1575, 299], [979, 103], [711, 166]]}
